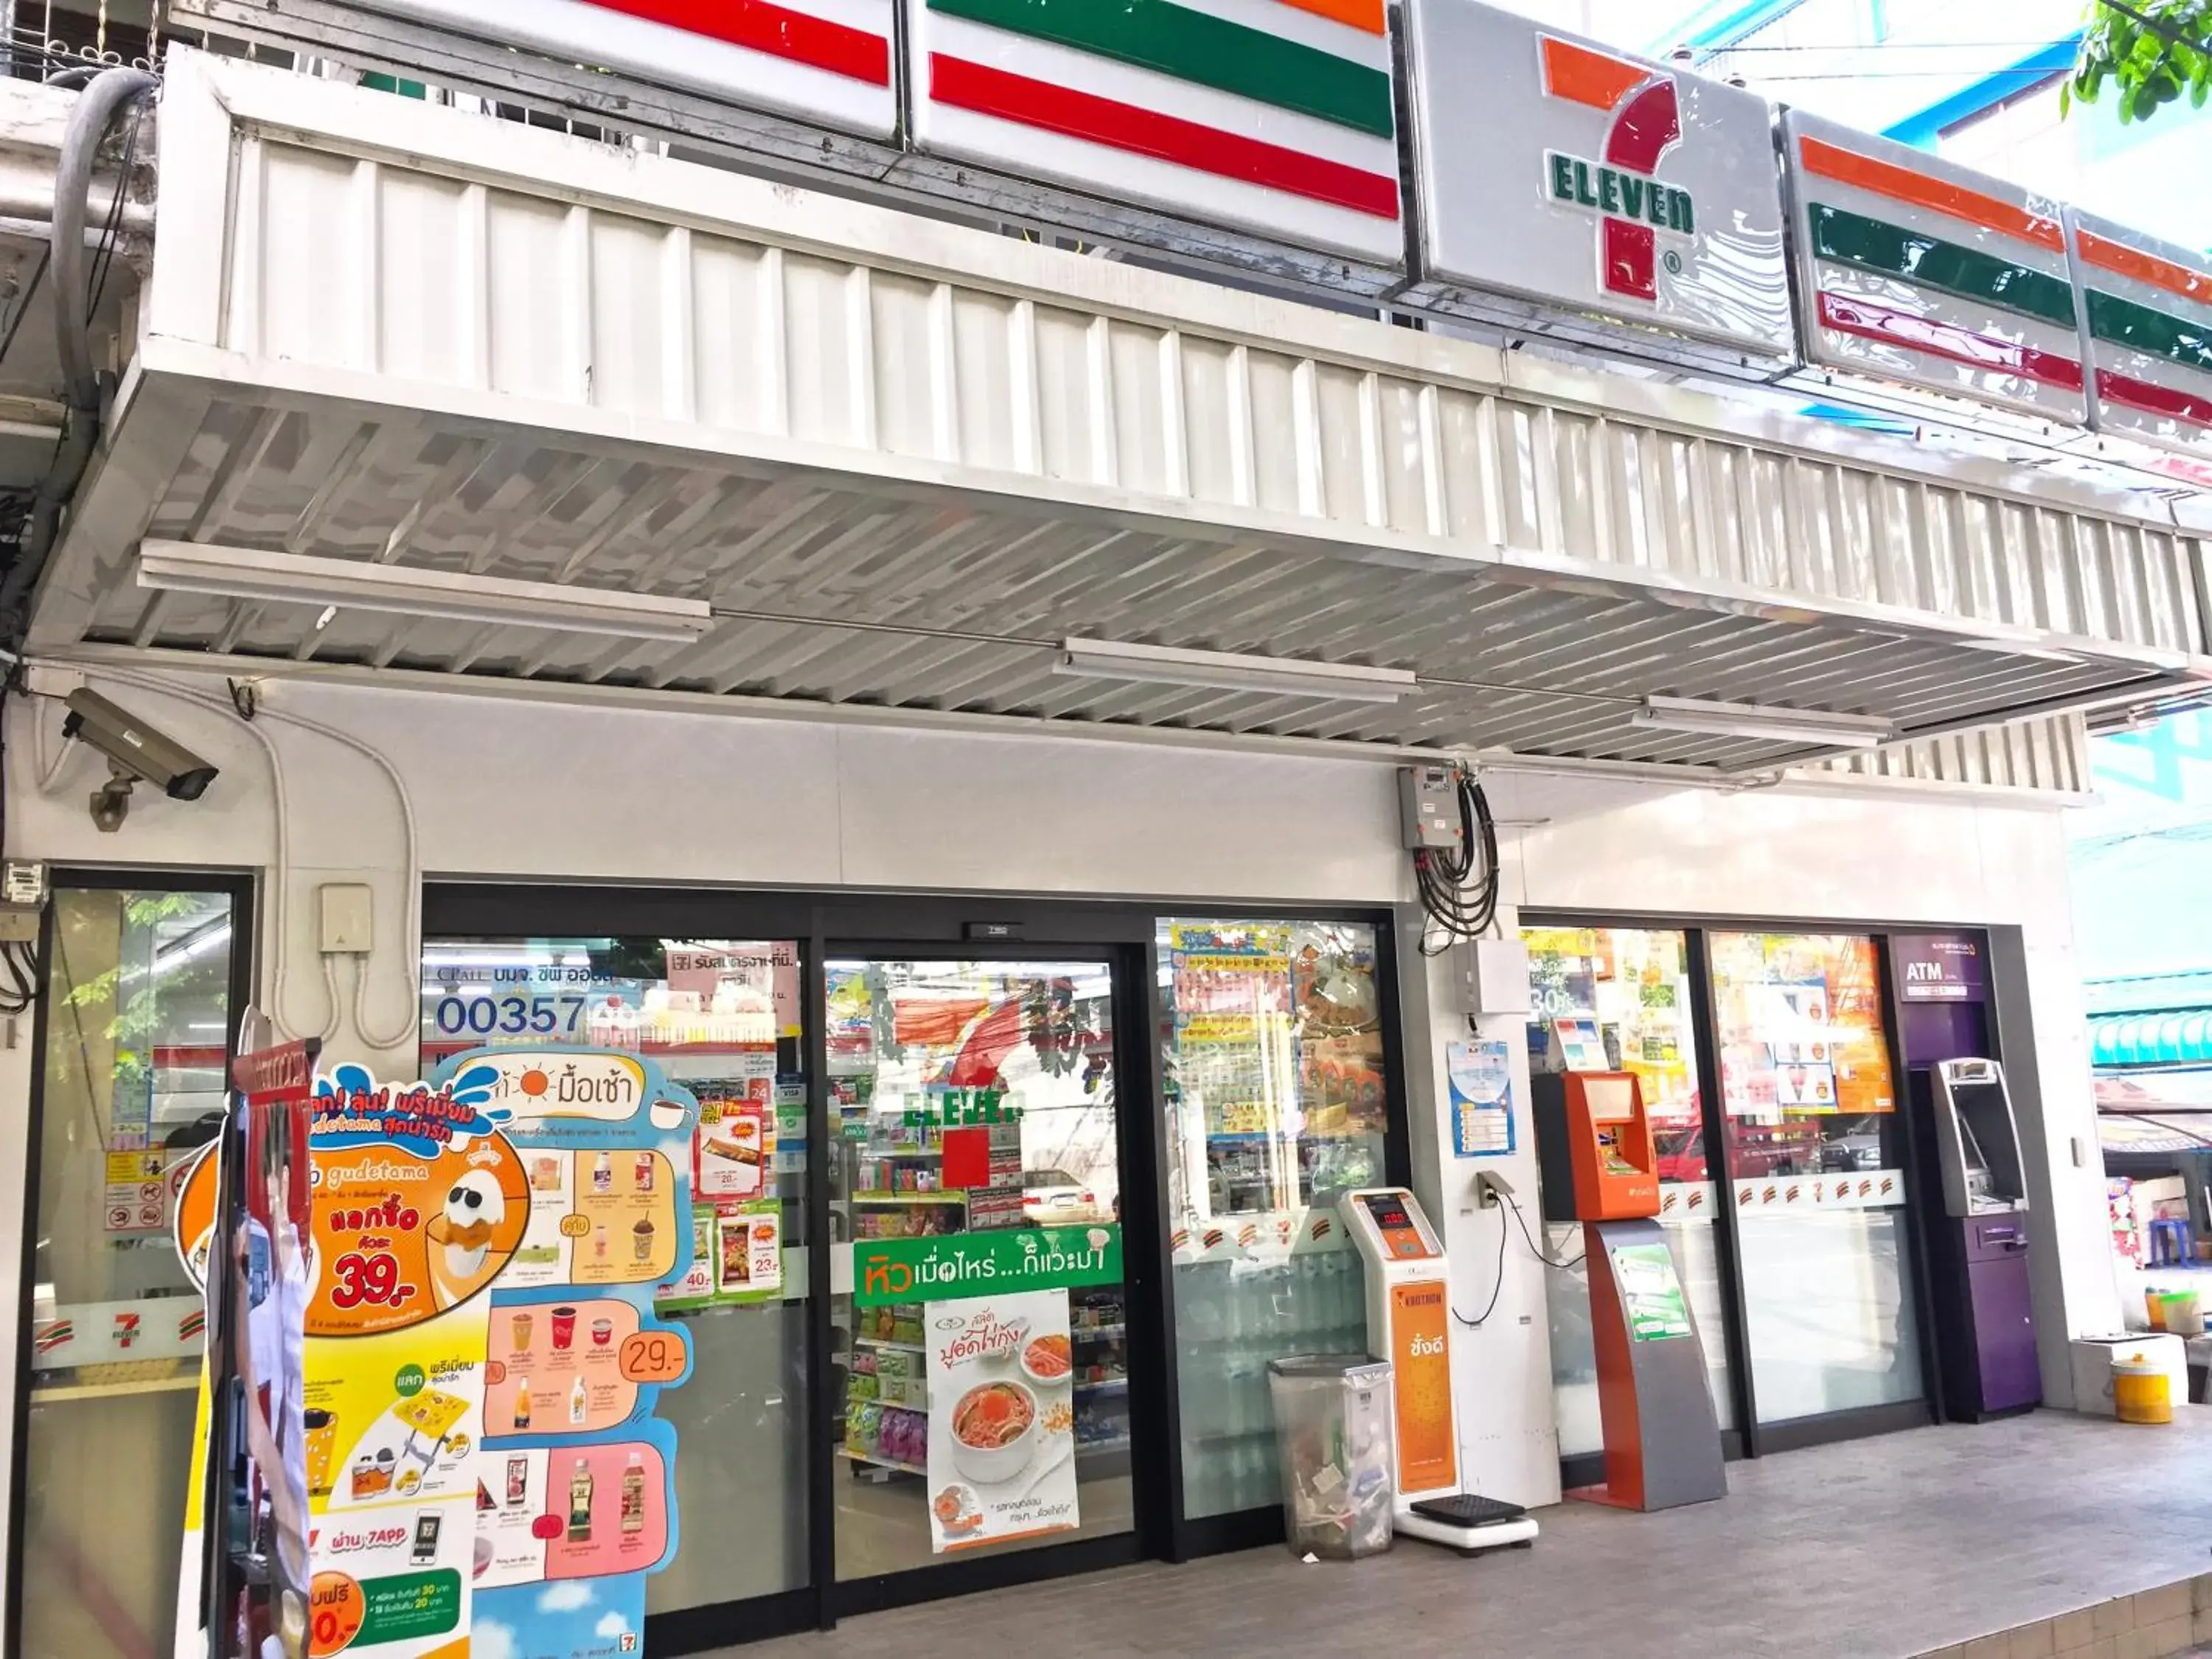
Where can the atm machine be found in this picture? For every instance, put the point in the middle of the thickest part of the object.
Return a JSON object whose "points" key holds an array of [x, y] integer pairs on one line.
{"points": [[1662, 1441], [1983, 1316], [1409, 1323]]}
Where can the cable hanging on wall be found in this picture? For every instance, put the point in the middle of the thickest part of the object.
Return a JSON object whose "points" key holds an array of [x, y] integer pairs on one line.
{"points": [[1460, 886]]}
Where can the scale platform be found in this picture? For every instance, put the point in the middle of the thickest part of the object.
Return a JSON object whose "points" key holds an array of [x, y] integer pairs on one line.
{"points": [[1466, 1522]]}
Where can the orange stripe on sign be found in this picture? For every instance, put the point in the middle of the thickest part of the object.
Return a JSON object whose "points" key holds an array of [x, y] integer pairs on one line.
{"points": [[1903, 185], [1364, 14], [2126, 261], [1588, 77]]}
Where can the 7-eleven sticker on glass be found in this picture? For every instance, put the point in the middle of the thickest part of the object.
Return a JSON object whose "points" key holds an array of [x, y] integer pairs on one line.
{"points": [[1555, 170]]}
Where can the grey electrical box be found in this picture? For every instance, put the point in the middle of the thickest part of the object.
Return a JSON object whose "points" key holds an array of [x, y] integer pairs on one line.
{"points": [[1428, 807]]}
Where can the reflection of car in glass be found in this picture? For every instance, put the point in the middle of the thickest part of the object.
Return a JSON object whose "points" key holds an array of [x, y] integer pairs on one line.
{"points": [[1859, 1148], [1055, 1195], [1681, 1153]]}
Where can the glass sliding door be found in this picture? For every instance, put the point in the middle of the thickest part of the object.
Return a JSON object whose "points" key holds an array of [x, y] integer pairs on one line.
{"points": [[981, 1340], [722, 1017], [1635, 984], [142, 998], [1816, 1173], [1279, 1103]]}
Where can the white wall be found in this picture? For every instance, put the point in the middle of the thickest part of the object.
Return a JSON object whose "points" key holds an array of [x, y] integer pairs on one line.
{"points": [[501, 787]]}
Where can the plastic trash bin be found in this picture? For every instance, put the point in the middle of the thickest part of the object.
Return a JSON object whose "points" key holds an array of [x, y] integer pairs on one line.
{"points": [[1332, 1416]]}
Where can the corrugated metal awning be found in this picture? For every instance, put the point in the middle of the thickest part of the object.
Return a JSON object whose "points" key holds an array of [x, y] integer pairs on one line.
{"points": [[904, 461]]}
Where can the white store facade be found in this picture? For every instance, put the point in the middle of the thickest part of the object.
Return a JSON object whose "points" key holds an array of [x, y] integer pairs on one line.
{"points": [[901, 468]]}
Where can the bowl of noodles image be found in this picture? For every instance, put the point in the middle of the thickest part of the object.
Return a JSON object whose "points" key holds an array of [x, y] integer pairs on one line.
{"points": [[994, 1431]]}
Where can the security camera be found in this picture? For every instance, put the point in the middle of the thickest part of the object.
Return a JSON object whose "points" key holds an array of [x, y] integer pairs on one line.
{"points": [[136, 753]]}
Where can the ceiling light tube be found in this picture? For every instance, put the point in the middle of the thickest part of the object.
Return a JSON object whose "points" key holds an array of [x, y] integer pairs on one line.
{"points": [[239, 573], [1162, 665], [1751, 720]]}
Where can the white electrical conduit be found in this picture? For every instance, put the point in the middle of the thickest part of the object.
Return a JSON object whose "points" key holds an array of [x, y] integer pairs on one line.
{"points": [[409, 941]]}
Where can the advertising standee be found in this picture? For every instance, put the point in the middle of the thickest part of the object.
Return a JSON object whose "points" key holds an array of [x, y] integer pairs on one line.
{"points": [[574, 1496], [481, 1465], [247, 1238]]}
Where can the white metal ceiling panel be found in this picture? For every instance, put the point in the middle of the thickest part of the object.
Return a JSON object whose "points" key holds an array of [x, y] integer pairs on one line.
{"points": [[902, 460]]}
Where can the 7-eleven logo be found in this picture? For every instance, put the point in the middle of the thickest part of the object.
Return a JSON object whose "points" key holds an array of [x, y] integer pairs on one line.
{"points": [[1633, 206]]}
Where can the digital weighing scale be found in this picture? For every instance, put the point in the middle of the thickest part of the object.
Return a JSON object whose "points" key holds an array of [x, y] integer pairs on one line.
{"points": [[1409, 1324]]}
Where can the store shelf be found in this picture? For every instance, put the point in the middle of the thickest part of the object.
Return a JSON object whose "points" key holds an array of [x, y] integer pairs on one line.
{"points": [[949, 1196], [1105, 1385], [1099, 1447], [1097, 1333], [885, 1342], [851, 1456]]}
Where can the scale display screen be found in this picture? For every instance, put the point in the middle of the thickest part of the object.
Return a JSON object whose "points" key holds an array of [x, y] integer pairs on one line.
{"points": [[1389, 1211]]}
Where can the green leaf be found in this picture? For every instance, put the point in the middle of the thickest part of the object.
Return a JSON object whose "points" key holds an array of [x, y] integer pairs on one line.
{"points": [[2127, 105]]}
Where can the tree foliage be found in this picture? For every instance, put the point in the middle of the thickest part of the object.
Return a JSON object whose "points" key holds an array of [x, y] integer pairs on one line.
{"points": [[2149, 53]]}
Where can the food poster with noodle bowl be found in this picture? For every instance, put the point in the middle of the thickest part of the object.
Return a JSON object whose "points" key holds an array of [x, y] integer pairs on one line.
{"points": [[1002, 1424], [574, 1501]]}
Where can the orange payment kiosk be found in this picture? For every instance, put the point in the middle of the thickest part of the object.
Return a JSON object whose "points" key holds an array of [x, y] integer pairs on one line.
{"points": [[1409, 1324], [1662, 1441]]}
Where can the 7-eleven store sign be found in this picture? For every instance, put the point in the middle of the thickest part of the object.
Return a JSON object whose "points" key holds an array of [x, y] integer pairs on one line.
{"points": [[1644, 121], [1553, 170]]}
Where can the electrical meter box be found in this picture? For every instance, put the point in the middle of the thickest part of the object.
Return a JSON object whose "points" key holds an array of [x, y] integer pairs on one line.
{"points": [[1428, 807]]}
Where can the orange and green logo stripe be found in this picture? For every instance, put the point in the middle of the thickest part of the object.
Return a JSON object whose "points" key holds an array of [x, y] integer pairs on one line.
{"points": [[1204, 50], [1965, 273], [1847, 166]]}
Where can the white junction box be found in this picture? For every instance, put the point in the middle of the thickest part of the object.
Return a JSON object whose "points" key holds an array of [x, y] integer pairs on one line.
{"points": [[2093, 1367], [1493, 976], [347, 918]]}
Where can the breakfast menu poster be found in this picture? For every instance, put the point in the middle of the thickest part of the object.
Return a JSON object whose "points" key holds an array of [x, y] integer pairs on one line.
{"points": [[1001, 1420], [573, 1498]]}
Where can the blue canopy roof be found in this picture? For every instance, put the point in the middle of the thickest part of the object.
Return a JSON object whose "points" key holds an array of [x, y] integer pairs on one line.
{"points": [[2173, 1038]]}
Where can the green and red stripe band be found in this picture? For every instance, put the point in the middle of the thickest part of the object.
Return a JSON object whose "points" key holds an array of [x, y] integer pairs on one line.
{"points": [[1202, 49], [2153, 333], [778, 31], [1965, 273], [1015, 98], [2154, 400], [1958, 345]]}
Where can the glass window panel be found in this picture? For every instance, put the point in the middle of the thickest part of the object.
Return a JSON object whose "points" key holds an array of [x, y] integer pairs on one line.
{"points": [[1816, 1167], [722, 1017], [138, 1017], [1635, 983], [1278, 1104], [1025, 1051]]}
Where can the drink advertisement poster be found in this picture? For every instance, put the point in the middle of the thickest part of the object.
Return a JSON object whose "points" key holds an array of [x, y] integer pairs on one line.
{"points": [[1002, 1422], [573, 1498]]}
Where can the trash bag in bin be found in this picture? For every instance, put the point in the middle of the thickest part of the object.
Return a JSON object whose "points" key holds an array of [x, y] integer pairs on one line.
{"points": [[1332, 1417]]}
